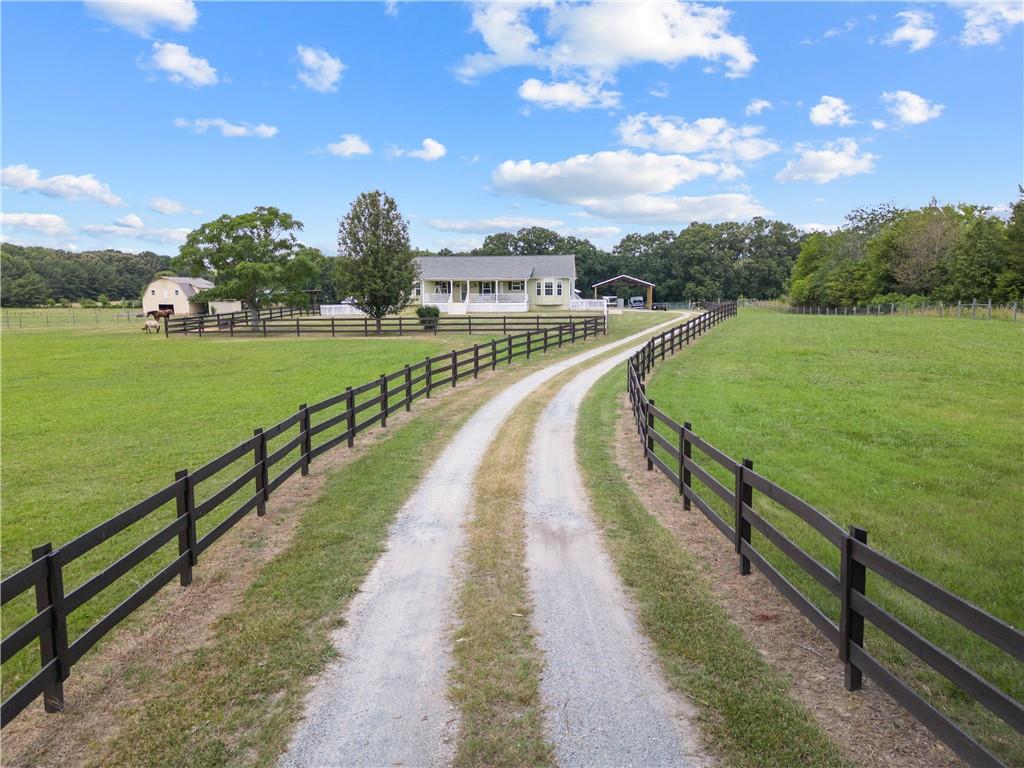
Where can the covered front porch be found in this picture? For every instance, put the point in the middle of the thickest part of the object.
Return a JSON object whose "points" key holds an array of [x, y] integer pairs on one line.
{"points": [[462, 296]]}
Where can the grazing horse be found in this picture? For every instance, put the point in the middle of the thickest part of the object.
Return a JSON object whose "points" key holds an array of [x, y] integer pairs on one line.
{"points": [[158, 314], [151, 326]]}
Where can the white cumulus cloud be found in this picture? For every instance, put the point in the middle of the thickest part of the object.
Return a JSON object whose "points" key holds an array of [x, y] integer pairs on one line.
{"points": [[835, 159], [487, 226], [141, 16], [167, 206], [430, 150], [625, 185], [181, 66], [319, 71], [757, 106], [134, 227], [599, 38], [231, 130], [911, 109], [87, 187], [569, 95], [349, 145], [49, 224], [712, 137], [831, 110], [917, 30], [985, 23]]}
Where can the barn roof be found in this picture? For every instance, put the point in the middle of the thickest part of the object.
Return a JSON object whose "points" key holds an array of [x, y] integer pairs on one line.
{"points": [[496, 267], [191, 285]]}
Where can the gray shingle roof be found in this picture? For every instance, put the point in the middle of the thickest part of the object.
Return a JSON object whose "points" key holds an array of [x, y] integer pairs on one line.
{"points": [[496, 267]]}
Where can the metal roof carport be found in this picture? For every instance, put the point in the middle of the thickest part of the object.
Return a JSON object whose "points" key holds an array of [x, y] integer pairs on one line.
{"points": [[633, 281]]}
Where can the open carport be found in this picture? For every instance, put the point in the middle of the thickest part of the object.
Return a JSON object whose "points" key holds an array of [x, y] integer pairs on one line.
{"points": [[629, 280]]}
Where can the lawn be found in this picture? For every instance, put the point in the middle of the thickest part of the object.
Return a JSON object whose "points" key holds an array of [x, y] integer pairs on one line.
{"points": [[96, 420], [908, 427]]}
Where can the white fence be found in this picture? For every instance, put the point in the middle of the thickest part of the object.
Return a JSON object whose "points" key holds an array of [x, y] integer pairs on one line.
{"points": [[588, 305], [331, 310]]}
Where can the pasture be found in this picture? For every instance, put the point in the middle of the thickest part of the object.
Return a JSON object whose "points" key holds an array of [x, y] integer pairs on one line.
{"points": [[908, 427], [97, 420]]}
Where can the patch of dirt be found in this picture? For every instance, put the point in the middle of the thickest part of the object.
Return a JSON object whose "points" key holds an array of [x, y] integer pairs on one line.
{"points": [[127, 668], [870, 727]]}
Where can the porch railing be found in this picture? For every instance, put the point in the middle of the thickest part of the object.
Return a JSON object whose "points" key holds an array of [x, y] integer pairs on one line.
{"points": [[437, 298], [498, 298]]}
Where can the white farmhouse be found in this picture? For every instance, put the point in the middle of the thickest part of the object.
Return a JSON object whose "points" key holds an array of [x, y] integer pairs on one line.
{"points": [[462, 284]]}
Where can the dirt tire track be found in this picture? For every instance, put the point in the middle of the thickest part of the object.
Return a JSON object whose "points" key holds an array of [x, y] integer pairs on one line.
{"points": [[607, 702]]}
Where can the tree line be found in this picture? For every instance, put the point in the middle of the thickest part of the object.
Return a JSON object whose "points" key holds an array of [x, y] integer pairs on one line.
{"points": [[879, 255], [33, 276], [885, 254]]}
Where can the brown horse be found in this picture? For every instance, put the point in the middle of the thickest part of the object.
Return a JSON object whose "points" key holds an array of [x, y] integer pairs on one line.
{"points": [[160, 314]]}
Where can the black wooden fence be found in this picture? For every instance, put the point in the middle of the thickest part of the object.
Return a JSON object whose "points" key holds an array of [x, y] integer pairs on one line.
{"points": [[304, 322], [660, 434], [293, 443]]}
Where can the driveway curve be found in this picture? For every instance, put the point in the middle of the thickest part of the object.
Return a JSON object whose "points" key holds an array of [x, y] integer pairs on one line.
{"points": [[383, 701], [606, 701]]}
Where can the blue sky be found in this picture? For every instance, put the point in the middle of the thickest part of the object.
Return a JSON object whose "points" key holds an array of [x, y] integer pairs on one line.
{"points": [[126, 124]]}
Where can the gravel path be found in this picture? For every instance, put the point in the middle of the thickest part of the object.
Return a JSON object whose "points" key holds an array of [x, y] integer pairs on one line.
{"points": [[383, 702], [606, 701]]}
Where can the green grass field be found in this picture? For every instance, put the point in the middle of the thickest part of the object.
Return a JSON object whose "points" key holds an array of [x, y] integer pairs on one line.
{"points": [[912, 428], [96, 420]]}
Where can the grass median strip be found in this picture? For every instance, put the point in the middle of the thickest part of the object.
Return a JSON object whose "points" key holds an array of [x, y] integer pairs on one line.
{"points": [[496, 678], [746, 713]]}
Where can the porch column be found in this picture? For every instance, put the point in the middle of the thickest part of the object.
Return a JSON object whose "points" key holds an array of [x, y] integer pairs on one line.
{"points": [[595, 292], [650, 297]]}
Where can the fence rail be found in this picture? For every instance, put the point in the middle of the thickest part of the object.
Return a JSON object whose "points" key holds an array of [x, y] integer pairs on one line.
{"points": [[302, 322], [661, 436], [973, 310], [256, 467]]}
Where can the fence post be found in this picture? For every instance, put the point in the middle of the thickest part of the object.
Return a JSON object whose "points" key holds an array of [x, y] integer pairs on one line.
{"points": [[504, 325], [990, 309], [1015, 311], [408, 388], [852, 578], [470, 319], [743, 495], [959, 304], [430, 378], [399, 325], [187, 538], [684, 471], [260, 459], [332, 325], [304, 427], [383, 400], [529, 339], [974, 308], [476, 360], [351, 406], [264, 327], [53, 695], [455, 367], [509, 340], [648, 426], [545, 340], [494, 354]]}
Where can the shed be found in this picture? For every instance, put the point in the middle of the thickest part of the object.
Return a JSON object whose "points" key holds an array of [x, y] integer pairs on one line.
{"points": [[632, 281]]}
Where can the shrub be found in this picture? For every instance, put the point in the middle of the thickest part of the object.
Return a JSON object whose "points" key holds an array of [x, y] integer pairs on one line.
{"points": [[87, 303], [428, 316]]}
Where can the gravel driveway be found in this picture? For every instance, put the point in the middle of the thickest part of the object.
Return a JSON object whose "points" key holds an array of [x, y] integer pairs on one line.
{"points": [[383, 701], [606, 702]]}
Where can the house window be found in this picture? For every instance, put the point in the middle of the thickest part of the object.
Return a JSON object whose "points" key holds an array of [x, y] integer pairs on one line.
{"points": [[549, 288], [516, 286], [153, 292], [559, 287], [417, 289], [539, 286], [175, 291], [486, 288], [444, 288]]}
